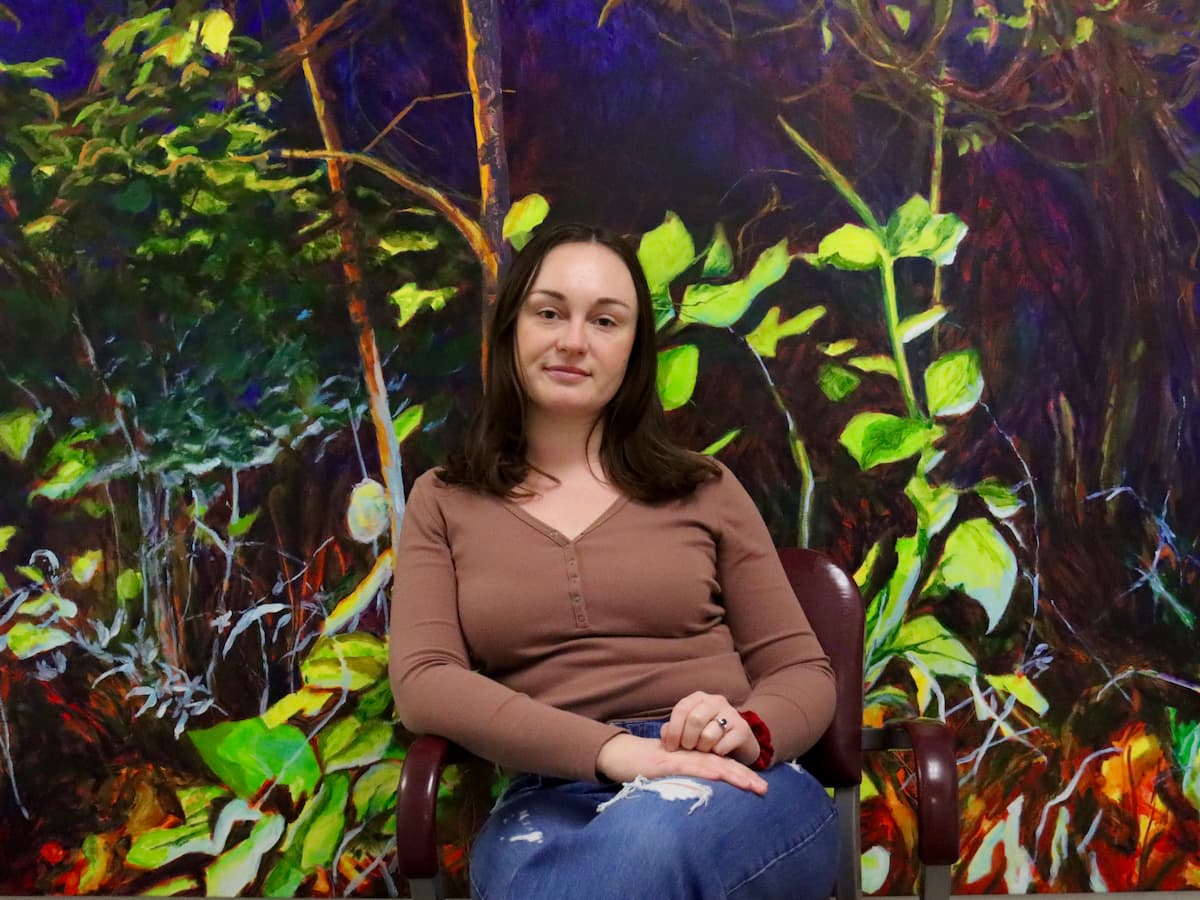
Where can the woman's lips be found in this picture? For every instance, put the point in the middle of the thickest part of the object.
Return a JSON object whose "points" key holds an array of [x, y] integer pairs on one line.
{"points": [[566, 373]]}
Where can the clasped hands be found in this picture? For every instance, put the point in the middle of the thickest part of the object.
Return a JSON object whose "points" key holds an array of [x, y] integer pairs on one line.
{"points": [[691, 743]]}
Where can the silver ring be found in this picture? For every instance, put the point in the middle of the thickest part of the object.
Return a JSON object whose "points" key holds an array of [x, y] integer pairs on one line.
{"points": [[723, 722]]}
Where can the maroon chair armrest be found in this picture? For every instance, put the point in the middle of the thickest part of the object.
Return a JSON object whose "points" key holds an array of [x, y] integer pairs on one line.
{"points": [[932, 744], [416, 806]]}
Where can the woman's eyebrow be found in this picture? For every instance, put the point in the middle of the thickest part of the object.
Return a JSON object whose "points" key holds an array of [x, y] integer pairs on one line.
{"points": [[600, 301]]}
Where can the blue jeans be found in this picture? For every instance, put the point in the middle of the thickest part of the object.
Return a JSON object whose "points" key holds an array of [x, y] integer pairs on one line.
{"points": [[677, 838]]}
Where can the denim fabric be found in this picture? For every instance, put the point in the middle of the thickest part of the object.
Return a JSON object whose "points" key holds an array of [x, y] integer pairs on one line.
{"points": [[674, 838]]}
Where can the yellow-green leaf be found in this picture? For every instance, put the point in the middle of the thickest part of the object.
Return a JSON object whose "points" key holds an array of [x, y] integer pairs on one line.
{"points": [[954, 383], [851, 248], [407, 242], [977, 561], [129, 584], [242, 524], [877, 363], [409, 420], [27, 639], [360, 598], [215, 32], [6, 535], [836, 382], [914, 326], [42, 225], [17, 430], [172, 886], [665, 252], [523, 216], [410, 300], [235, 869], [721, 443], [932, 643], [903, 18], [367, 515], [876, 863], [935, 503], [677, 370], [873, 438], [1019, 686], [345, 661], [770, 331], [304, 702], [48, 602], [838, 348], [718, 260]]}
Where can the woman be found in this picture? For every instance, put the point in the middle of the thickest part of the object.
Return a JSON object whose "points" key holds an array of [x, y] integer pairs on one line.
{"points": [[579, 599]]}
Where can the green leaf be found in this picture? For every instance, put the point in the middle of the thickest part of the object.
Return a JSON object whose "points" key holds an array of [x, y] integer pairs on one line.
{"points": [[888, 608], [121, 39], [912, 327], [17, 430], [874, 438], [914, 230], [1019, 686], [304, 702], [129, 584], [85, 566], [407, 242], [838, 348], [71, 477], [408, 421], [677, 370], [197, 800], [348, 661], [876, 363], [350, 744], [410, 300], [97, 853], [903, 18], [1002, 501], [235, 869], [954, 383], [935, 504], [354, 603], [318, 830], [977, 561], [1085, 27], [928, 640], [721, 443], [718, 260], [243, 524], [850, 248], [523, 216], [135, 198], [665, 252], [6, 535], [172, 886], [721, 305], [214, 35], [33, 573], [48, 602], [39, 68], [42, 225], [26, 639], [246, 754], [375, 791], [765, 338], [176, 48], [836, 383], [6, 167], [157, 847], [368, 514], [1185, 747], [664, 308]]}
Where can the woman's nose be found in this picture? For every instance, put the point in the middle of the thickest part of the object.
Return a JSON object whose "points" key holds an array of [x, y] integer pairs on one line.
{"points": [[572, 338]]}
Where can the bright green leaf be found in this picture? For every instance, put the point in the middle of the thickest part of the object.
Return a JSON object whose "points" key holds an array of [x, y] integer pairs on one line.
{"points": [[523, 216], [42, 225], [354, 603], [851, 248], [718, 260], [935, 504], [765, 338], [838, 348], [85, 566], [665, 252], [677, 370], [121, 39], [1002, 501], [156, 847], [874, 438], [304, 702], [68, 480], [914, 230], [176, 48], [406, 424], [26, 639], [889, 606], [48, 602], [172, 886], [6, 535], [365, 744], [135, 197], [97, 853], [33, 573], [721, 305], [235, 869], [242, 524], [407, 242], [941, 652], [721, 443], [954, 383], [368, 514], [247, 754], [38, 68], [903, 18], [1019, 686], [324, 832], [912, 327], [375, 791], [836, 383], [214, 35], [1085, 27], [129, 584], [17, 430], [876, 363], [349, 661], [410, 300], [977, 561], [197, 800]]}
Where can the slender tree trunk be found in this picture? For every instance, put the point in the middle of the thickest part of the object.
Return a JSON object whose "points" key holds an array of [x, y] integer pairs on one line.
{"points": [[381, 417], [481, 23]]}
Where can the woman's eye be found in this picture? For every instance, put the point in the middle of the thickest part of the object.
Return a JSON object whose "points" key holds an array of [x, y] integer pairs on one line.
{"points": [[606, 322], [547, 314]]}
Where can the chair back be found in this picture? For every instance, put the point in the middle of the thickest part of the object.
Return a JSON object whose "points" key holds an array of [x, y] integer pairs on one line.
{"points": [[835, 610]]}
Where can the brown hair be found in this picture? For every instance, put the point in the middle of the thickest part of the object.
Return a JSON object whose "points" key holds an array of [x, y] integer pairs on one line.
{"points": [[636, 452]]}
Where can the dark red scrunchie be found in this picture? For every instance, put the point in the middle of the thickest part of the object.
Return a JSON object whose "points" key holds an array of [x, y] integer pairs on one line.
{"points": [[766, 750]]}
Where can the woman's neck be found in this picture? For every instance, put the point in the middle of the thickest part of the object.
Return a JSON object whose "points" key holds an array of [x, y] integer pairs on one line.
{"points": [[561, 447]]}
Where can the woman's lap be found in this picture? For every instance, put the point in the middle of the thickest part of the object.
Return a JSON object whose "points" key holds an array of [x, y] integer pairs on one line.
{"points": [[681, 837]]}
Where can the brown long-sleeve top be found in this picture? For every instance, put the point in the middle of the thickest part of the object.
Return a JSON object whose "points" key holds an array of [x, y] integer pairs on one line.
{"points": [[522, 646]]}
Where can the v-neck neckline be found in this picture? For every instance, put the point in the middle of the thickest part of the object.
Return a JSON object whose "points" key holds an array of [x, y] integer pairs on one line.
{"points": [[553, 533]]}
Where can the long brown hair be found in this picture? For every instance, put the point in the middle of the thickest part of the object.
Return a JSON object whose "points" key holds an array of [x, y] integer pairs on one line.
{"points": [[636, 452]]}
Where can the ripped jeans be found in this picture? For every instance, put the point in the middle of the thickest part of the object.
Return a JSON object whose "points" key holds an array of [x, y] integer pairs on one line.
{"points": [[675, 838]]}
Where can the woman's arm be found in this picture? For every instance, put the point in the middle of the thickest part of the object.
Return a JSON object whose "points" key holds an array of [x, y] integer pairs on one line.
{"points": [[435, 690]]}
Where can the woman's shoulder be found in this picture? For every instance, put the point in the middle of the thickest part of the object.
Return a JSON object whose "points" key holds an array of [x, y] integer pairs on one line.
{"points": [[429, 488]]}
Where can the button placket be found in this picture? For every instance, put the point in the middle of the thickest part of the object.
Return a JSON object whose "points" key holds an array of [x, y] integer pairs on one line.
{"points": [[574, 590]]}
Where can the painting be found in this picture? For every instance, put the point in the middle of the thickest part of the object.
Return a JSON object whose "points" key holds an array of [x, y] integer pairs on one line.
{"points": [[925, 276]]}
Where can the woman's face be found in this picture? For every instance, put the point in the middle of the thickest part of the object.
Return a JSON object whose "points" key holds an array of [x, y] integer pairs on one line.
{"points": [[575, 331]]}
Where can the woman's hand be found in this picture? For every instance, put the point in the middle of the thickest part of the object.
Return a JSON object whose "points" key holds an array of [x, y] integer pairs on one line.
{"points": [[695, 724], [625, 756]]}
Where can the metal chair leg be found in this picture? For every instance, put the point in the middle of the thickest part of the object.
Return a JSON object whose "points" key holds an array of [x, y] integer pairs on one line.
{"points": [[935, 883], [428, 888], [849, 873]]}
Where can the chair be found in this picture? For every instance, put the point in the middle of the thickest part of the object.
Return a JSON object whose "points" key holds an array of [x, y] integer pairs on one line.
{"points": [[835, 609]]}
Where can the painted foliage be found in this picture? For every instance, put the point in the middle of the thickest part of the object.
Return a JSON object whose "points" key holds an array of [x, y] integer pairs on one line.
{"points": [[926, 278]]}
